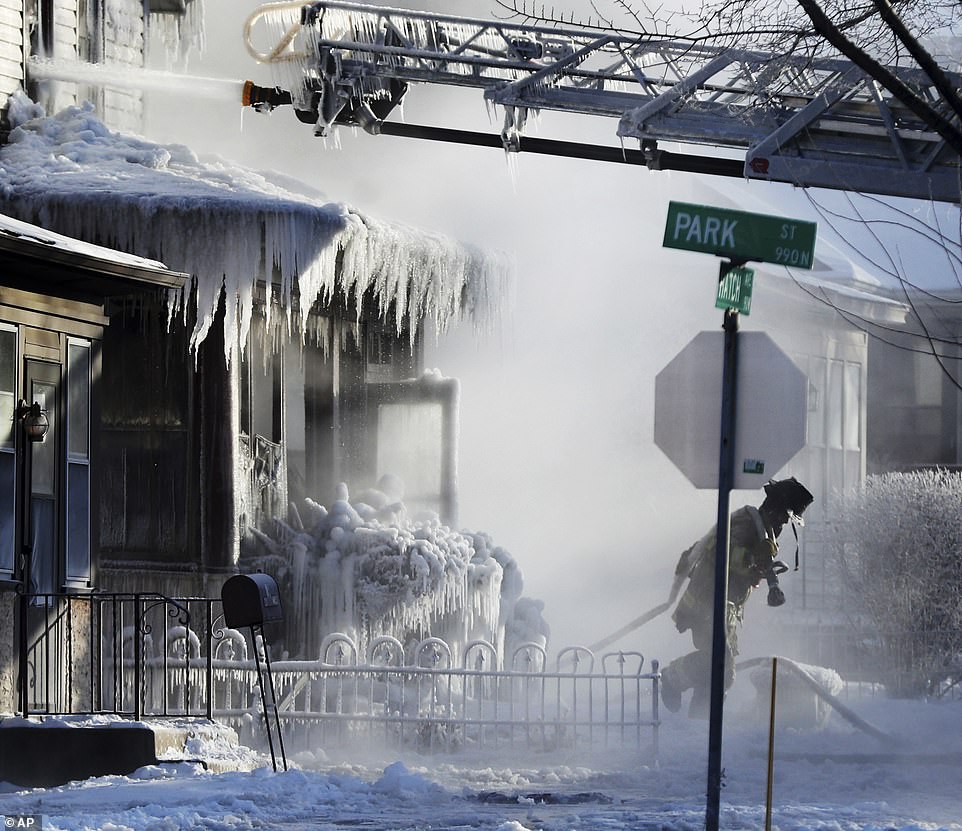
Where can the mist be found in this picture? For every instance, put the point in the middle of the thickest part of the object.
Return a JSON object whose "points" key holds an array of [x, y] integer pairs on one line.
{"points": [[557, 460]]}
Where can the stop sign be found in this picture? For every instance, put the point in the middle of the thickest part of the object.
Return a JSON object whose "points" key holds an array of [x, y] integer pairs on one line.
{"points": [[771, 409]]}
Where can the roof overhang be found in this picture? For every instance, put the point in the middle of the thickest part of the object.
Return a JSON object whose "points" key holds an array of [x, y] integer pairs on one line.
{"points": [[33, 259], [168, 6]]}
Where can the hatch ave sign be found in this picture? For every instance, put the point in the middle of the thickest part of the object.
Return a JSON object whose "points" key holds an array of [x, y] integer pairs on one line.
{"points": [[772, 409]]}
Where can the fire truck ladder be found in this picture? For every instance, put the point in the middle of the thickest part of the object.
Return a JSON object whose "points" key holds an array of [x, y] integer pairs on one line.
{"points": [[779, 118]]}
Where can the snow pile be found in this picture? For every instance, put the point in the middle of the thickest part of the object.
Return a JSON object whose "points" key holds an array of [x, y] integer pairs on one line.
{"points": [[366, 569], [230, 228]]}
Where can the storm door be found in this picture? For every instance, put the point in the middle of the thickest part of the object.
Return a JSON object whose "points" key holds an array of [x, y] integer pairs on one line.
{"points": [[39, 530], [41, 522]]}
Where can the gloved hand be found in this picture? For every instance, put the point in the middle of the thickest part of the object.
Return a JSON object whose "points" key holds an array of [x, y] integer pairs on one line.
{"points": [[776, 597]]}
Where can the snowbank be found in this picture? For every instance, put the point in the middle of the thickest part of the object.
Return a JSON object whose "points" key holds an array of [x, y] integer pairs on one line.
{"points": [[820, 785]]}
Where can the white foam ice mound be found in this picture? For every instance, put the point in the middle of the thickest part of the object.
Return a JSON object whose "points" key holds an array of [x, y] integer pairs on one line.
{"points": [[366, 569]]}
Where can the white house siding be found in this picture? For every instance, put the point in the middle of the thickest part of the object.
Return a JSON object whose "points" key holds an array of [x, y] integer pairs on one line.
{"points": [[64, 48], [124, 45], [11, 48], [109, 31]]}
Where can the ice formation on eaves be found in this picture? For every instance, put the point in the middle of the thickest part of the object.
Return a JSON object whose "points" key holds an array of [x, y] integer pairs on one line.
{"points": [[181, 34], [230, 227]]}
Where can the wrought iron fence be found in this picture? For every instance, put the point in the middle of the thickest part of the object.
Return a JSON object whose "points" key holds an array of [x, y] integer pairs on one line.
{"points": [[424, 698], [116, 653], [145, 655]]}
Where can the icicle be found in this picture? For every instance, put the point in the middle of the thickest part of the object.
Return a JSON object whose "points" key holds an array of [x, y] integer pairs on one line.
{"points": [[181, 34], [355, 572], [231, 229]]}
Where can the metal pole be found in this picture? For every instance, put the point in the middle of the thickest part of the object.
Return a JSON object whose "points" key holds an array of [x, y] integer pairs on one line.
{"points": [[139, 692], [277, 717], [26, 570], [726, 477], [22, 646], [260, 684], [209, 712], [771, 749], [661, 160]]}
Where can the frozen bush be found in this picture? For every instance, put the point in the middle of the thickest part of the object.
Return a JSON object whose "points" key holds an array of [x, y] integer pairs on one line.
{"points": [[898, 551]]}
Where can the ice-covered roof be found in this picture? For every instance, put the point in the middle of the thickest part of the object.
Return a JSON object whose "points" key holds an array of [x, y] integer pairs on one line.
{"points": [[74, 268], [229, 226]]}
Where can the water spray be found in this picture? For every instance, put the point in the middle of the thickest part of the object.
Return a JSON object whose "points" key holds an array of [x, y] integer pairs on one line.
{"points": [[132, 77]]}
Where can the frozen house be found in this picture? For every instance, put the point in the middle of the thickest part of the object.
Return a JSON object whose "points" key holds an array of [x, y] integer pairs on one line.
{"points": [[53, 302], [257, 348]]}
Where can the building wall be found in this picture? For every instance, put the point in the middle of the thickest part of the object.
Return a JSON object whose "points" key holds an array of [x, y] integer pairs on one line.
{"points": [[12, 36], [913, 410], [43, 331], [834, 356], [197, 452], [124, 38], [8, 652], [99, 31]]}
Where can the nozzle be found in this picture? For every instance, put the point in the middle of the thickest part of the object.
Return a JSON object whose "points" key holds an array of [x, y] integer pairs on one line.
{"points": [[264, 99]]}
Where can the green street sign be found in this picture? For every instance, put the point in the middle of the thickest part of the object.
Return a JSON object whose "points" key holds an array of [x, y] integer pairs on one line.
{"points": [[735, 289], [740, 235]]}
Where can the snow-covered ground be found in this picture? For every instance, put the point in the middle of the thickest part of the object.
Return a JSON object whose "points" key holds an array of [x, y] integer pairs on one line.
{"points": [[836, 778]]}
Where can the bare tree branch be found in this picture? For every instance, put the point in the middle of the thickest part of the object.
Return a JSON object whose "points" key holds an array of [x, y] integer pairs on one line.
{"points": [[922, 56], [931, 116]]}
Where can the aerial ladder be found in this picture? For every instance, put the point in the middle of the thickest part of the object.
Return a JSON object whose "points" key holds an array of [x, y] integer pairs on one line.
{"points": [[747, 114]]}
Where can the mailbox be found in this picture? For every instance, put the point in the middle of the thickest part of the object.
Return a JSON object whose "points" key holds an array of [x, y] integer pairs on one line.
{"points": [[251, 600]]}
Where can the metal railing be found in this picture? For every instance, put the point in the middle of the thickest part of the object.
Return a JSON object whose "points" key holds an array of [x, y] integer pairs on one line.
{"points": [[117, 653], [145, 655], [424, 699]]}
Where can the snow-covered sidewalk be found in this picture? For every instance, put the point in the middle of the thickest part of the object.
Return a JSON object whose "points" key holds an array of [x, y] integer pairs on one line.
{"points": [[835, 779]]}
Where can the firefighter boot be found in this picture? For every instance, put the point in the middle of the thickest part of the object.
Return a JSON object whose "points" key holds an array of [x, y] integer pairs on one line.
{"points": [[700, 705], [671, 690]]}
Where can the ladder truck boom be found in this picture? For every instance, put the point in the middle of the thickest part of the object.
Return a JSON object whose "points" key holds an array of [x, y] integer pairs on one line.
{"points": [[783, 118]]}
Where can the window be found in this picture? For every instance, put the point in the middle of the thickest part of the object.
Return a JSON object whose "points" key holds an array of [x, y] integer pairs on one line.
{"points": [[261, 423], [77, 537], [409, 446], [8, 467], [261, 374]]}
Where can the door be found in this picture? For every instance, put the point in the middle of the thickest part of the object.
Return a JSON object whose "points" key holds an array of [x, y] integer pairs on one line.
{"points": [[39, 532], [41, 527]]}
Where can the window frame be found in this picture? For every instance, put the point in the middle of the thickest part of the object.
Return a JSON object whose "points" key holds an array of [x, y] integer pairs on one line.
{"points": [[71, 459]]}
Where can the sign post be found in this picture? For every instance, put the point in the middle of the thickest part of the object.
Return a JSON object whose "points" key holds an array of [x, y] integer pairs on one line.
{"points": [[741, 237], [719, 646]]}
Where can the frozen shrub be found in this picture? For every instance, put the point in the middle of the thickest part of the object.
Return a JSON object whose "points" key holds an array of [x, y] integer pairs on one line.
{"points": [[898, 551]]}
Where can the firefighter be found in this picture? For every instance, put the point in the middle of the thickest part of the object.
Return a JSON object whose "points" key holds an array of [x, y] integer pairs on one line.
{"points": [[752, 558]]}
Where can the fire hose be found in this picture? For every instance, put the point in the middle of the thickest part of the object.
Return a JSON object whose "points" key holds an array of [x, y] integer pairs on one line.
{"points": [[648, 616]]}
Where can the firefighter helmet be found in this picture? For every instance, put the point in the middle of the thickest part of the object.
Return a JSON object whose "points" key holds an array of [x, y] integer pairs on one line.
{"points": [[790, 495]]}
